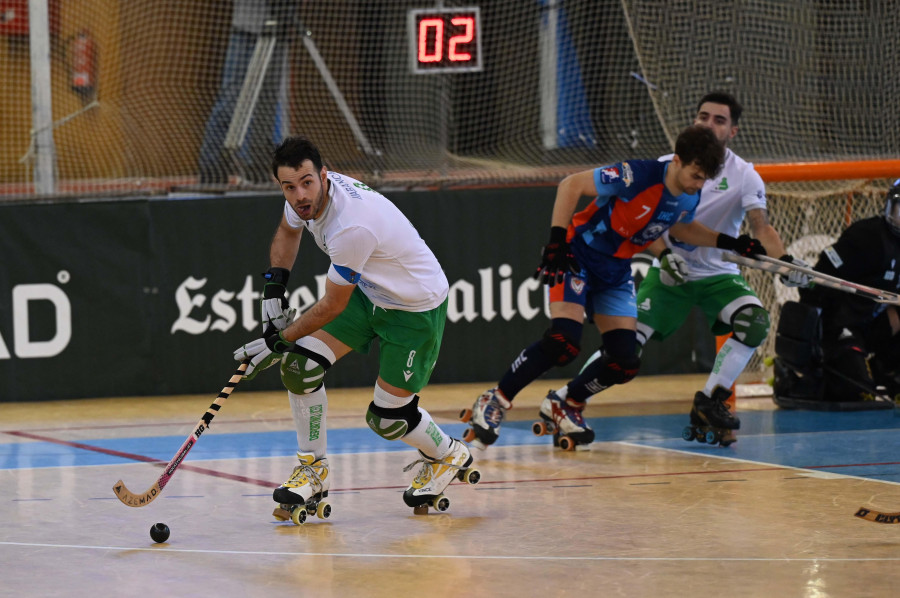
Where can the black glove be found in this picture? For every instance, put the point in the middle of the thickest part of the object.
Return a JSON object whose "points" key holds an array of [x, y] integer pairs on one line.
{"points": [[744, 245], [276, 284], [273, 305], [557, 258]]}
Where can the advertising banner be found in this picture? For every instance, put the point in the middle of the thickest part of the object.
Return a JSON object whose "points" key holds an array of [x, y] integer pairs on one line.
{"points": [[151, 296]]}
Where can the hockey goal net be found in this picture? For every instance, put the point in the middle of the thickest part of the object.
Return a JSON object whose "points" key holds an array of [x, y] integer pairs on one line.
{"points": [[131, 88]]}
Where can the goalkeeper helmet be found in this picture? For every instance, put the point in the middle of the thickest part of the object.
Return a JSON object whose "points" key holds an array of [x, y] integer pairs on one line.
{"points": [[892, 208]]}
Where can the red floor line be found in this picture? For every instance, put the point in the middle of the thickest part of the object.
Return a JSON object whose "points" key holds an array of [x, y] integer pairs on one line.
{"points": [[151, 425], [145, 459], [269, 484]]}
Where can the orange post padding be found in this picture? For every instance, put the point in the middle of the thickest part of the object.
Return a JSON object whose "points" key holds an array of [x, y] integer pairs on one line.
{"points": [[819, 171]]}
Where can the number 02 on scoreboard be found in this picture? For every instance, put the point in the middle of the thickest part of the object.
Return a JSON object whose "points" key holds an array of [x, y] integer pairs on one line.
{"points": [[444, 40]]}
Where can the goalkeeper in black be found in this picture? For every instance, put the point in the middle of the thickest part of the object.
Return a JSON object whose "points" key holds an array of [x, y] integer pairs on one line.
{"points": [[860, 337]]}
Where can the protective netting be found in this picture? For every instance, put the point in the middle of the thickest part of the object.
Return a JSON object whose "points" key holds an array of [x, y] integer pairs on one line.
{"points": [[564, 85], [818, 78]]}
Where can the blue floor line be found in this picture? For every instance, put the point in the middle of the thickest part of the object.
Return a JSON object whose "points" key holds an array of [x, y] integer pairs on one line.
{"points": [[860, 443]]}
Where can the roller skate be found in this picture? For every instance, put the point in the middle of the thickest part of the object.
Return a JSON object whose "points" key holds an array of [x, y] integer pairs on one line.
{"points": [[484, 418], [564, 420], [711, 420], [302, 495], [435, 475]]}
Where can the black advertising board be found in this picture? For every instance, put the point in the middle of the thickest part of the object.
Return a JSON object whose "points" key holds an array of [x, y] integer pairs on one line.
{"points": [[151, 296]]}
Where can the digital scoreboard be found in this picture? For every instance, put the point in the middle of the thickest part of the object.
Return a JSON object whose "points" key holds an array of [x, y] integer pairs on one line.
{"points": [[444, 40]]}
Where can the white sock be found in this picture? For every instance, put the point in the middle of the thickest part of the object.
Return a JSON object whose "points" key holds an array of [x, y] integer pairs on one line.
{"points": [[309, 419], [427, 436], [731, 360]]}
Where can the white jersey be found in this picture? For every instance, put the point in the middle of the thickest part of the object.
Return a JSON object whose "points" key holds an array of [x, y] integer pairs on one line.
{"points": [[724, 201], [372, 244]]}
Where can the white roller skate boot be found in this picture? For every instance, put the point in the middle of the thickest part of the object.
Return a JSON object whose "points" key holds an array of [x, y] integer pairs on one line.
{"points": [[303, 493], [436, 474], [563, 419], [484, 418]]}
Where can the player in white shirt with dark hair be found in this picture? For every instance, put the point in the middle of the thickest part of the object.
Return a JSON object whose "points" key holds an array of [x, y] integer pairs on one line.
{"points": [[383, 282], [688, 275]]}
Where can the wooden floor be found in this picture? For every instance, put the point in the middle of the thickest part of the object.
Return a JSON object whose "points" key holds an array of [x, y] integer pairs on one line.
{"points": [[643, 513]]}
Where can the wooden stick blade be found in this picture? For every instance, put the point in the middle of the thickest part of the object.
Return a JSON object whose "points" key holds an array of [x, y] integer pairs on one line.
{"points": [[141, 500], [877, 516], [136, 500]]}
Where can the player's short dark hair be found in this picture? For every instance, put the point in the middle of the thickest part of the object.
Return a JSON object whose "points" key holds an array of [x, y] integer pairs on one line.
{"points": [[699, 145], [726, 99], [293, 151]]}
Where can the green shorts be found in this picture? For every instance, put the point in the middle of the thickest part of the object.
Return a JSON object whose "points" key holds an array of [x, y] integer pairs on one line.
{"points": [[409, 342], [665, 308]]}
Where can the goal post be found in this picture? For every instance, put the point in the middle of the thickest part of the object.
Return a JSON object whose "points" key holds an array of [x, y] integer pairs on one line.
{"points": [[41, 150]]}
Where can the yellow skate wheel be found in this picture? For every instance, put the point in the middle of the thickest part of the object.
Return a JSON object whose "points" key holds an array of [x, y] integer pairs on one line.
{"points": [[566, 443], [465, 415], [323, 511], [471, 476], [440, 503], [298, 515]]}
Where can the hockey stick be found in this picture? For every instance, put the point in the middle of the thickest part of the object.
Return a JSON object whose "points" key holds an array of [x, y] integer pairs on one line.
{"points": [[768, 264], [145, 498], [877, 516]]}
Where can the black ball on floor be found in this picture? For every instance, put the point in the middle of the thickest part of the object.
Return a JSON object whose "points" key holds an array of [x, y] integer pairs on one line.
{"points": [[159, 532]]}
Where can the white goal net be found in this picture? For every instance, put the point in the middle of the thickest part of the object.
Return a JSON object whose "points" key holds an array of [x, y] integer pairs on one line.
{"points": [[158, 95]]}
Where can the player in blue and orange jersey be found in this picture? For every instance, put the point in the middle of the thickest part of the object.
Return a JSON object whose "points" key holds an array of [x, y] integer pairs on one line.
{"points": [[587, 265]]}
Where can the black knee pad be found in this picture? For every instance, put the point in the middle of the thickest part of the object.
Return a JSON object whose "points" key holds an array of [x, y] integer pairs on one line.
{"points": [[560, 344], [393, 423], [618, 370]]}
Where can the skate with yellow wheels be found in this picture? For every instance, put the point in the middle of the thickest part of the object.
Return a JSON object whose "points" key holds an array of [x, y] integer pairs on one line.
{"points": [[316, 506], [563, 420], [427, 488], [303, 495]]}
